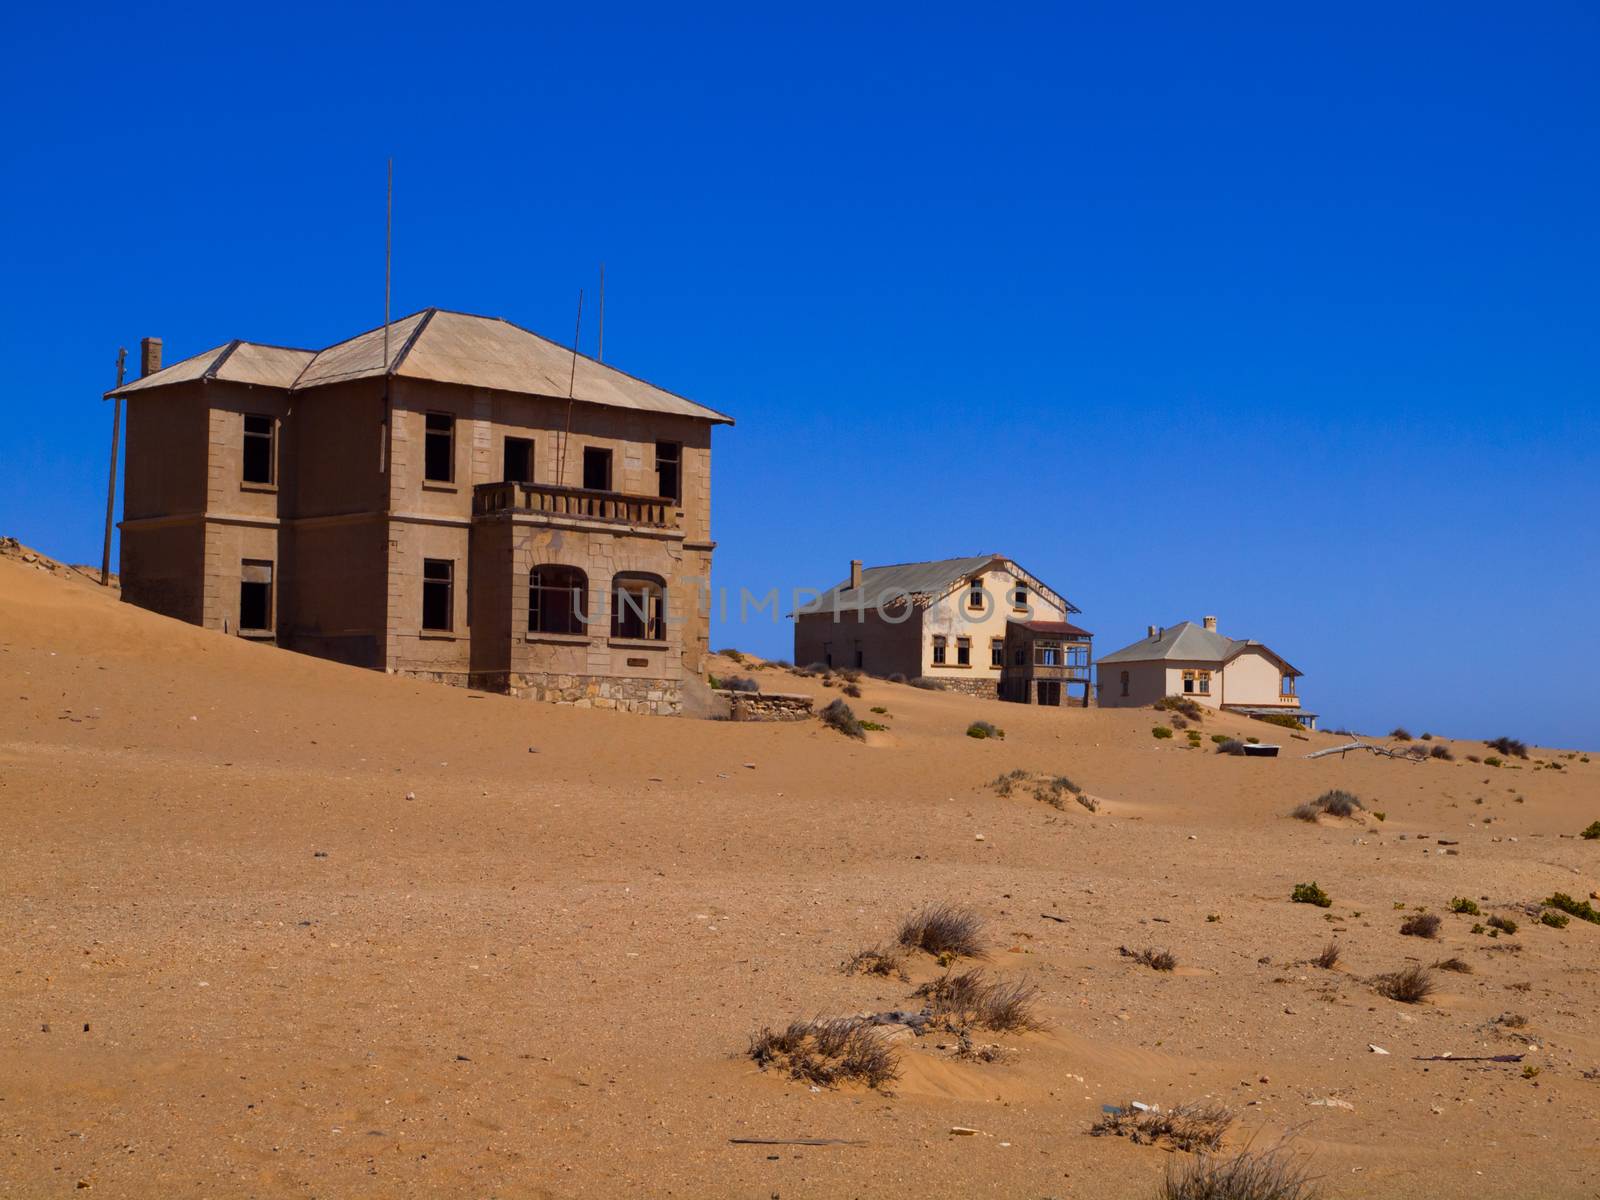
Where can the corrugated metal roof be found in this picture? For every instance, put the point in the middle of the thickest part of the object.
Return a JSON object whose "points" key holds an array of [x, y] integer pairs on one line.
{"points": [[445, 347], [1188, 642], [923, 581], [234, 362], [1059, 628]]}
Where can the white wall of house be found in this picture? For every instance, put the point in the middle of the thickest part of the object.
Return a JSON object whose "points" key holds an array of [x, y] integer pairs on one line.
{"points": [[953, 617], [1253, 678]]}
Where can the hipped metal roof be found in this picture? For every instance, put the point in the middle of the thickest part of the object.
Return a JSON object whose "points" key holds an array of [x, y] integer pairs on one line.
{"points": [[438, 345], [1188, 642], [924, 582]]}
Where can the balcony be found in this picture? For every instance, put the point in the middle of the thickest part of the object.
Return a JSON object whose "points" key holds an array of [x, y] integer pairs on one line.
{"points": [[580, 504]]}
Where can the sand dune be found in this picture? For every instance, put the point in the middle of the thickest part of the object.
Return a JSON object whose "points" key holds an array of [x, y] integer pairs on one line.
{"points": [[241, 962]]}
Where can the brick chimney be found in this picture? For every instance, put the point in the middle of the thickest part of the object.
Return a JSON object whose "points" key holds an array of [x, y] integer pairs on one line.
{"points": [[855, 573], [1152, 632], [1210, 623], [149, 356]]}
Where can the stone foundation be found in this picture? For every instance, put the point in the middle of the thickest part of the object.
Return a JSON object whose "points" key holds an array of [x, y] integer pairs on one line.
{"points": [[655, 697], [766, 706], [985, 689]]}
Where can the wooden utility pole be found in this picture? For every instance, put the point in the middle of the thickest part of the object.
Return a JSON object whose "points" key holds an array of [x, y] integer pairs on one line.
{"points": [[111, 484]]}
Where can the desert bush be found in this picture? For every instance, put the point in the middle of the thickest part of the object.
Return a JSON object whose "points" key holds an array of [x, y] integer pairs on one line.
{"points": [[1503, 924], [1310, 893], [738, 683], [849, 674], [816, 668], [1182, 705], [873, 727], [838, 716], [1556, 920], [1510, 747], [1581, 909], [1460, 904], [1249, 1175], [879, 709], [1156, 960], [1329, 958], [1380, 815], [1492, 761], [971, 1001], [1161, 731], [1400, 733], [897, 677], [943, 929], [1283, 720], [1088, 801], [1458, 965], [1054, 792], [1185, 1127], [1005, 784], [1442, 751], [1473, 758], [1423, 925], [1512, 1021], [1218, 739], [828, 1052], [927, 684], [985, 729], [1592, 833], [852, 691], [1411, 984], [879, 960], [1305, 812], [737, 655], [1230, 746]]}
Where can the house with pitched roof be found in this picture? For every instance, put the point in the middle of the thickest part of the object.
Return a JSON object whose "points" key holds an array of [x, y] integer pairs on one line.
{"points": [[1203, 665], [451, 496], [945, 619]]}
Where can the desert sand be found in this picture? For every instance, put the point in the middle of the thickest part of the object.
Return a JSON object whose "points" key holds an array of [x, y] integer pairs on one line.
{"points": [[276, 927]]}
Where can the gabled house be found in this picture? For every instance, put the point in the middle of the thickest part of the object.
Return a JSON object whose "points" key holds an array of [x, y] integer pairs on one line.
{"points": [[1197, 662], [1045, 662], [454, 497], [945, 619]]}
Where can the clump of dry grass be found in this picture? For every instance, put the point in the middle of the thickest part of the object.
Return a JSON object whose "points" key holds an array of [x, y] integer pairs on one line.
{"points": [[1412, 984], [943, 929], [1156, 960], [1186, 1127], [828, 1052], [879, 960], [1336, 803], [1329, 958], [838, 715], [1423, 925], [1459, 965], [1512, 1021], [1249, 1175], [970, 1001]]}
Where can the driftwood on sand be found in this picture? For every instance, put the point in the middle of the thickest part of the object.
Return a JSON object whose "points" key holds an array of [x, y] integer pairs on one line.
{"points": [[1341, 751]]}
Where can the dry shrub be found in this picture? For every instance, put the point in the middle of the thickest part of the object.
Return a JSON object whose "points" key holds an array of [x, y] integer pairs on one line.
{"points": [[1004, 784], [1156, 960], [1412, 984], [1511, 1021], [838, 715], [1268, 1175], [1230, 746], [1181, 705], [739, 683], [970, 1001], [849, 674], [852, 691], [1329, 958], [1423, 925], [1088, 801], [1443, 752], [1187, 1127], [879, 960], [828, 1052], [943, 929], [1510, 747], [1306, 812], [1459, 965]]}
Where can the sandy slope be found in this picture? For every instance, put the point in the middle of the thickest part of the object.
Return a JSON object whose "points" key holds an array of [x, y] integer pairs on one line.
{"points": [[535, 978]]}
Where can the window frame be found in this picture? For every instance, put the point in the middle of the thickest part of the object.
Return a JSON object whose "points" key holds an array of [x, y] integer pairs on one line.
{"points": [[505, 448], [576, 599], [431, 587], [997, 652], [963, 652], [676, 462], [610, 460], [252, 437], [1196, 681], [432, 433], [940, 646], [652, 624]]}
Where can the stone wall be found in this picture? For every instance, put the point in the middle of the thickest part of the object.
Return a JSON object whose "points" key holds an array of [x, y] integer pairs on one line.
{"points": [[987, 689], [657, 697], [766, 706]]}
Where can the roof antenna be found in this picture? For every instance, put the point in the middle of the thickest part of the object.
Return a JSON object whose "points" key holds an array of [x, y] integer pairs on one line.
{"points": [[572, 380], [600, 349]]}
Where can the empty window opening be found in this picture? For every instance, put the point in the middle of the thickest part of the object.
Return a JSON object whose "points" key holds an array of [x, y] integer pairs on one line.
{"points": [[669, 471], [557, 600], [1286, 686], [861, 657], [438, 594], [255, 596], [596, 469], [977, 598], [638, 606], [827, 653], [258, 431], [1019, 596], [997, 652], [938, 651], [1124, 683], [518, 460], [963, 652], [439, 449], [1047, 654]]}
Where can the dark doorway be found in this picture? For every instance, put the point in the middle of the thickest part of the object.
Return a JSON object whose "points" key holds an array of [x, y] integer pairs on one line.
{"points": [[1050, 692], [255, 596]]}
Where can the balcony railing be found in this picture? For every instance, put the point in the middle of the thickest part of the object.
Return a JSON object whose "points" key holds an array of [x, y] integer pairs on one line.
{"points": [[617, 508]]}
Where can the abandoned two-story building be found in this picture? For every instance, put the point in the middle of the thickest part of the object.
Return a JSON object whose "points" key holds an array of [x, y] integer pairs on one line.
{"points": [[947, 620], [453, 497]]}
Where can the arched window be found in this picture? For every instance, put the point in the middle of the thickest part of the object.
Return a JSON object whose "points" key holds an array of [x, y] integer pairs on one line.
{"points": [[557, 599], [639, 607]]}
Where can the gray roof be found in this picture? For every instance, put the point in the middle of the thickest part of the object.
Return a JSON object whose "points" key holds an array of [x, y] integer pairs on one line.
{"points": [[446, 347], [923, 581], [232, 362], [1188, 642]]}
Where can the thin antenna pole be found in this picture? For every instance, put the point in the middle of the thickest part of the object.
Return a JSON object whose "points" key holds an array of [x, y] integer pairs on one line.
{"points": [[111, 484], [572, 381], [600, 348], [388, 266]]}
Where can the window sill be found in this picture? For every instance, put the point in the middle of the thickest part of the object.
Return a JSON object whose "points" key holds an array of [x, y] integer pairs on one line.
{"points": [[258, 635], [557, 639], [438, 635], [638, 643], [246, 486], [438, 485]]}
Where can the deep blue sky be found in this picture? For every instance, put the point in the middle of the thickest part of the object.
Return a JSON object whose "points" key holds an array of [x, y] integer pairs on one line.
{"points": [[1288, 319]]}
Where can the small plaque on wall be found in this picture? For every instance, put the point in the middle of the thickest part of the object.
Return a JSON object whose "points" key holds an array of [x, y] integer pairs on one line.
{"points": [[638, 662]]}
